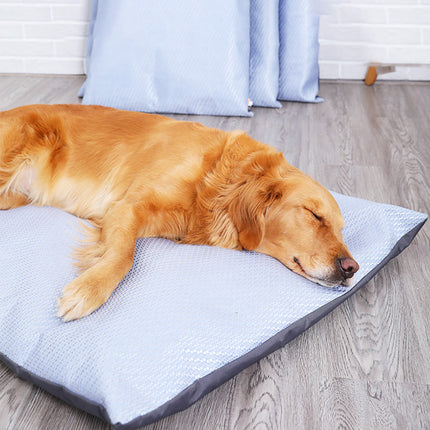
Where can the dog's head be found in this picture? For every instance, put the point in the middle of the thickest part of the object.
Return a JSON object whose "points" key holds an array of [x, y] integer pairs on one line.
{"points": [[284, 213]]}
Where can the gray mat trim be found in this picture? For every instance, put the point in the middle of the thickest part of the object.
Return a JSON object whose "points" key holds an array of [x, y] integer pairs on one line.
{"points": [[213, 380]]}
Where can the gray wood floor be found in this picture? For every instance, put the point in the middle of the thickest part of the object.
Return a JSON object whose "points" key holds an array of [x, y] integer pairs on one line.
{"points": [[367, 364]]}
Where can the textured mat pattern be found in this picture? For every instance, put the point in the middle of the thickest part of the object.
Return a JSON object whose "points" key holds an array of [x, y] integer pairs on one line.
{"points": [[201, 57], [182, 313], [264, 58], [166, 56], [298, 51]]}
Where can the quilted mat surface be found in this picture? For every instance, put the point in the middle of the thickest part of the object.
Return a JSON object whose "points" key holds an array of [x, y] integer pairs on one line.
{"points": [[185, 318]]}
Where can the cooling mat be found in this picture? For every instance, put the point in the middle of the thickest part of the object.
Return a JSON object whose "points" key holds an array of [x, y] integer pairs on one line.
{"points": [[201, 57], [298, 51], [168, 56], [183, 321]]}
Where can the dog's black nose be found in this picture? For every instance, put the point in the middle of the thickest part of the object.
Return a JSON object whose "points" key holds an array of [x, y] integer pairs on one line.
{"points": [[347, 267]]}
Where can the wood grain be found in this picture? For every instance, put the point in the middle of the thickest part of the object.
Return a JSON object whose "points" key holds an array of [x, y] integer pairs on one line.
{"points": [[367, 364]]}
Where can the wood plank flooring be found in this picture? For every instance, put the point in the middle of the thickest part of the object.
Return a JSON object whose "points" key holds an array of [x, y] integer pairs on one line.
{"points": [[367, 364]]}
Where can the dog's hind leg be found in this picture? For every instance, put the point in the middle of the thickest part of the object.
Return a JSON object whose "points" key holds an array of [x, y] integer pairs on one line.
{"points": [[11, 194], [12, 200], [112, 257], [16, 180]]}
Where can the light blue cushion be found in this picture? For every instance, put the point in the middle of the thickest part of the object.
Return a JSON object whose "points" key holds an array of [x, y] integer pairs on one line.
{"points": [[167, 56], [94, 5], [298, 51], [184, 320], [264, 59]]}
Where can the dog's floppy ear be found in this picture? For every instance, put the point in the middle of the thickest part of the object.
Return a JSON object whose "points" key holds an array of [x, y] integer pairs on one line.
{"points": [[248, 208]]}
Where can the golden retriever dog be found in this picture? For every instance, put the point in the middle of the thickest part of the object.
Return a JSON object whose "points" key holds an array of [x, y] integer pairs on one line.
{"points": [[142, 175]]}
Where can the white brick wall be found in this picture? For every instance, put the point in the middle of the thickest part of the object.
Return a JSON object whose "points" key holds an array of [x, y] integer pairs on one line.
{"points": [[43, 36], [354, 33], [49, 36]]}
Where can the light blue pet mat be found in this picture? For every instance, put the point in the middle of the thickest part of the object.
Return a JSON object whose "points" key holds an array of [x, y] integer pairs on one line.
{"points": [[298, 51], [184, 320], [201, 57], [169, 56]]}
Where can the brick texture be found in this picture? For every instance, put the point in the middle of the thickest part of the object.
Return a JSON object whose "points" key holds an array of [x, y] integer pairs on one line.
{"points": [[43, 36], [49, 36]]}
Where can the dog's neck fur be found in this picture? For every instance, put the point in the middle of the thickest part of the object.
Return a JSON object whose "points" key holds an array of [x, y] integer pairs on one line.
{"points": [[212, 220]]}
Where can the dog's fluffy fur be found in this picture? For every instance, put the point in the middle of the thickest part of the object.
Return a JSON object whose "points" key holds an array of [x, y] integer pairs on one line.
{"points": [[140, 175]]}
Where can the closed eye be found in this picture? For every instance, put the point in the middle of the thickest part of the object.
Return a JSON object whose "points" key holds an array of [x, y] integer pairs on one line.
{"points": [[319, 218]]}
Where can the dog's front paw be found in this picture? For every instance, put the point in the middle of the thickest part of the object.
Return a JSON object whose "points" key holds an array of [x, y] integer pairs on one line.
{"points": [[78, 300]]}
